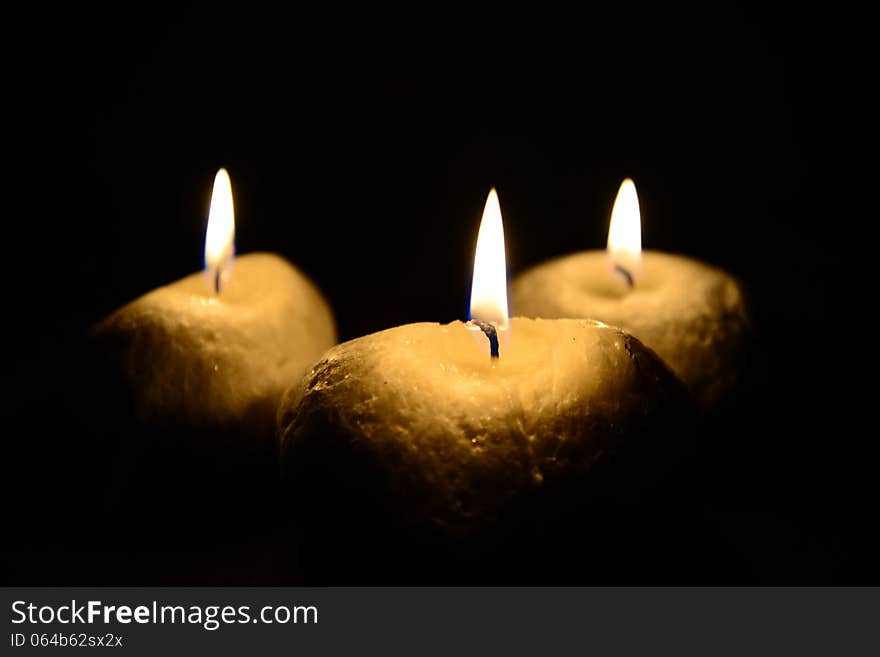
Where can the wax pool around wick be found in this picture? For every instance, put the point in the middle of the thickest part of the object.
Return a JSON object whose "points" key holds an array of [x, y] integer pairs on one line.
{"points": [[491, 333]]}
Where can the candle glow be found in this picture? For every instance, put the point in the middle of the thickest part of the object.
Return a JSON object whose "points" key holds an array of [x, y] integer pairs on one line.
{"points": [[489, 285], [220, 234], [625, 235]]}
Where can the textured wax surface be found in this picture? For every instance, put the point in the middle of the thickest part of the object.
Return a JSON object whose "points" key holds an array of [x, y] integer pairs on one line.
{"points": [[419, 419], [195, 359], [691, 314]]}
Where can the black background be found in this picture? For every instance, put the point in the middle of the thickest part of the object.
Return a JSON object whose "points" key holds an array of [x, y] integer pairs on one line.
{"points": [[361, 145]]}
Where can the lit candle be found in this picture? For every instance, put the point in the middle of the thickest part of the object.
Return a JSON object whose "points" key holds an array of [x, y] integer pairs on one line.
{"points": [[201, 363], [692, 314], [457, 429]]}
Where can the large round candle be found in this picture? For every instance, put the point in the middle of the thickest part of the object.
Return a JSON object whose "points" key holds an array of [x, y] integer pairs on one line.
{"points": [[692, 314], [201, 363], [420, 426]]}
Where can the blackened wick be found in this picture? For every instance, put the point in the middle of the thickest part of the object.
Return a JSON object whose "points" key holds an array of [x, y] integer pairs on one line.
{"points": [[629, 279], [491, 333]]}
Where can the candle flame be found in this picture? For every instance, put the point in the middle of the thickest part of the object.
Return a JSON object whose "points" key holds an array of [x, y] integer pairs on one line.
{"points": [[625, 234], [220, 235], [489, 286]]}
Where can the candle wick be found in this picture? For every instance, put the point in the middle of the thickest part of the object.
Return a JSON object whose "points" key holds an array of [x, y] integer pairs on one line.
{"points": [[491, 333], [629, 279], [217, 280]]}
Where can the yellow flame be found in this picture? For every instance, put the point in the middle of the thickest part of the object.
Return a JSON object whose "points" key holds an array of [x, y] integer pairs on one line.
{"points": [[220, 236], [489, 287], [625, 233]]}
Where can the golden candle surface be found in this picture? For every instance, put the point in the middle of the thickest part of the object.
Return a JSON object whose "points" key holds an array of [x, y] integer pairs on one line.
{"points": [[420, 417]]}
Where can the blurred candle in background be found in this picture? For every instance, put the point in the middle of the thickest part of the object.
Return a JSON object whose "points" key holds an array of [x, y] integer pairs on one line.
{"points": [[691, 313], [198, 365]]}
